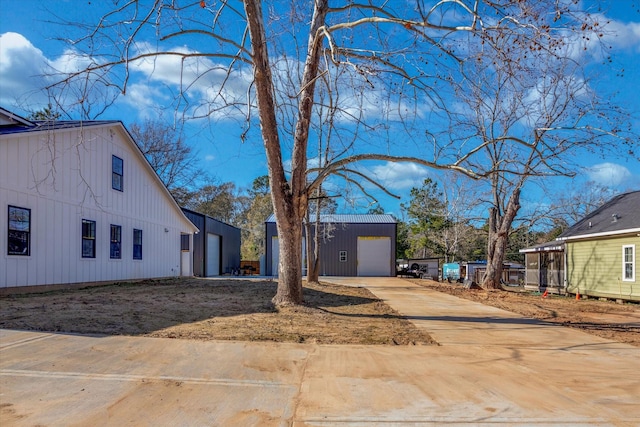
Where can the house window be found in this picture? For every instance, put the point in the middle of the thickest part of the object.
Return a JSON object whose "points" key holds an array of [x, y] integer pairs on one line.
{"points": [[19, 231], [116, 173], [115, 250], [88, 239], [137, 244], [184, 242], [343, 256], [629, 263]]}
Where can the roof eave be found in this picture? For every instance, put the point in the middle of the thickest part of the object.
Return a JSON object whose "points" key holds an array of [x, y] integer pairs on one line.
{"points": [[615, 233]]}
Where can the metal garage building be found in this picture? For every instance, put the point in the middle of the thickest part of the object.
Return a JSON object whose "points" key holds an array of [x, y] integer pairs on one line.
{"points": [[216, 248], [350, 245]]}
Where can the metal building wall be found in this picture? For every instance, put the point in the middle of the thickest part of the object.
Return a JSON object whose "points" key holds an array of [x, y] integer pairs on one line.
{"points": [[344, 237], [230, 243], [198, 242], [270, 233]]}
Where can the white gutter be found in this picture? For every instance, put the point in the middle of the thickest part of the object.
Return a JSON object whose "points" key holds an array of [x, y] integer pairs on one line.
{"points": [[601, 234]]}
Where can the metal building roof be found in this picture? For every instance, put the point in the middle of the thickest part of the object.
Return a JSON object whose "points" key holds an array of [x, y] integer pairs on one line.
{"points": [[349, 218]]}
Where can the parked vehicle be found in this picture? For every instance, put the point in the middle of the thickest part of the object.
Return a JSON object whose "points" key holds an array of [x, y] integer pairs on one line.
{"points": [[420, 268]]}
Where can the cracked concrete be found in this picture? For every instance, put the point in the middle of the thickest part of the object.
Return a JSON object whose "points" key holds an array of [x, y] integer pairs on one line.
{"points": [[492, 368]]}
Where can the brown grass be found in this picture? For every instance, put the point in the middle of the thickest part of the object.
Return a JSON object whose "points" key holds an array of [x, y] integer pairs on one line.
{"points": [[203, 309]]}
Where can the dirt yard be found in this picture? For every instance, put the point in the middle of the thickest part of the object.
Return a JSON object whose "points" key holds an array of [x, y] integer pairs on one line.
{"points": [[606, 319], [213, 310], [242, 310]]}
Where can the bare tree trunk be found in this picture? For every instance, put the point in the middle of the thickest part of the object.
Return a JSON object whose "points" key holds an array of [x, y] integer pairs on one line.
{"points": [[313, 257], [313, 260], [499, 227], [290, 199]]}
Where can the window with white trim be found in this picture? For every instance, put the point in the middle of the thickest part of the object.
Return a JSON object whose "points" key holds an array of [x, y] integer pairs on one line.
{"points": [[184, 242], [629, 263], [342, 255]]}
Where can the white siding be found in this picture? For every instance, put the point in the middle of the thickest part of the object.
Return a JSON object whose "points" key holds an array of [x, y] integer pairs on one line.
{"points": [[65, 176]]}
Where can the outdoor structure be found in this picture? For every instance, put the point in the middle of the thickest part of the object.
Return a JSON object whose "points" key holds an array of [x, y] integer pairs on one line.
{"points": [[472, 273], [600, 250], [80, 204], [350, 245], [421, 268], [544, 267], [216, 248]]}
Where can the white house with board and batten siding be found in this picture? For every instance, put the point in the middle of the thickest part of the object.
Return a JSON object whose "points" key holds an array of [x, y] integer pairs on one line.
{"points": [[79, 204]]}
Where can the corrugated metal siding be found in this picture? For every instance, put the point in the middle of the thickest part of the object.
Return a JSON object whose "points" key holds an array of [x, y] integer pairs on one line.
{"points": [[343, 238], [198, 242], [348, 219], [595, 268], [64, 177], [230, 243]]}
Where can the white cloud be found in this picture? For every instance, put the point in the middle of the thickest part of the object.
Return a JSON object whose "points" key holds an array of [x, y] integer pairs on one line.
{"points": [[144, 99], [209, 86], [400, 176], [622, 35], [22, 68], [608, 174]]}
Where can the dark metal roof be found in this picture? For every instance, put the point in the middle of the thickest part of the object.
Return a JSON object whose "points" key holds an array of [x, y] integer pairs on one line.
{"points": [[49, 125], [186, 210], [545, 247], [618, 215], [349, 219]]}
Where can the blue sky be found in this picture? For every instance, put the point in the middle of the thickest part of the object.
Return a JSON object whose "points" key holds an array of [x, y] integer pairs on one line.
{"points": [[28, 45]]}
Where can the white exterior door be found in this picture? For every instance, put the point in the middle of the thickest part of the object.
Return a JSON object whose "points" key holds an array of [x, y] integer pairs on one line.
{"points": [[374, 256], [185, 263], [213, 255]]}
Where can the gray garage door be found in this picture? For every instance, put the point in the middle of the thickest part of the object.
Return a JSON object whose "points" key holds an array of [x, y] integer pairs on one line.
{"points": [[213, 255], [374, 256]]}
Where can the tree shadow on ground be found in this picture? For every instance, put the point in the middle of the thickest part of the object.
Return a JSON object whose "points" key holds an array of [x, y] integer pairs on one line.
{"points": [[150, 306]]}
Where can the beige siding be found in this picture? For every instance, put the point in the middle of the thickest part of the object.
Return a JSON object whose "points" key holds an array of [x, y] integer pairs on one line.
{"points": [[64, 177], [595, 268]]}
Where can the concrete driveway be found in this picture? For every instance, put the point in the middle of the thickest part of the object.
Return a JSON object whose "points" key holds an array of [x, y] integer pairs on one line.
{"points": [[491, 368]]}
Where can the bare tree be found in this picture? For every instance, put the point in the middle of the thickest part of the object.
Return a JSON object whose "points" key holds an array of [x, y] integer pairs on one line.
{"points": [[257, 208], [219, 201], [170, 156], [528, 108], [396, 59]]}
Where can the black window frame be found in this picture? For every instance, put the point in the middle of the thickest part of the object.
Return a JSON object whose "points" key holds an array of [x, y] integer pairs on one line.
{"points": [[18, 237], [137, 247], [88, 237], [115, 246], [117, 173]]}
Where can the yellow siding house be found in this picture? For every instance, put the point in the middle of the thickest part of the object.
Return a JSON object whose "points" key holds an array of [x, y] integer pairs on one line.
{"points": [[601, 251]]}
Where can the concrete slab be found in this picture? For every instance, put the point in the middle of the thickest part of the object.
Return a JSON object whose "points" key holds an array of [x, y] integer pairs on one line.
{"points": [[492, 368], [55, 380]]}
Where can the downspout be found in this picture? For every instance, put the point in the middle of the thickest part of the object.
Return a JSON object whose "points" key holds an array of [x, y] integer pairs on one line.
{"points": [[205, 248], [566, 269]]}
